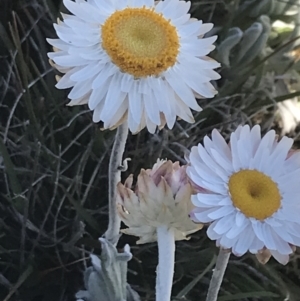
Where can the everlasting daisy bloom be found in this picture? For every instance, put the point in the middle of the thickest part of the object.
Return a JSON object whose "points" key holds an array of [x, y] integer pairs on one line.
{"points": [[252, 192], [141, 61], [158, 210], [161, 198]]}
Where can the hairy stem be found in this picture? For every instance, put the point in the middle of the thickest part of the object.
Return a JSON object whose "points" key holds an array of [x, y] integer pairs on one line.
{"points": [[218, 274], [165, 268], [114, 176]]}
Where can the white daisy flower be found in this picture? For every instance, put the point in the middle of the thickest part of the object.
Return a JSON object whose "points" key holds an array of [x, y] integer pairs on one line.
{"points": [[252, 198], [136, 60]]}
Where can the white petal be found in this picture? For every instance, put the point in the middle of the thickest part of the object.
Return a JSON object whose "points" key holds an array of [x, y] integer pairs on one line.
{"points": [[97, 112], [135, 103], [257, 228], [86, 72], [203, 217], [283, 259], [164, 100], [107, 71], [220, 212], [240, 219], [264, 150], [80, 89], [113, 100], [244, 242], [151, 108], [118, 115], [235, 231], [209, 199], [96, 97], [150, 125], [84, 11], [223, 225]]}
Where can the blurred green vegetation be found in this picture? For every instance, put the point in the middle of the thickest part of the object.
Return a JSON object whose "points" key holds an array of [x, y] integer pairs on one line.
{"points": [[53, 159]]}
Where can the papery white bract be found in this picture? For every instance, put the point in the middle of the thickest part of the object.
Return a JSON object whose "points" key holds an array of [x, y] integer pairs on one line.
{"points": [[252, 192], [162, 197], [141, 61]]}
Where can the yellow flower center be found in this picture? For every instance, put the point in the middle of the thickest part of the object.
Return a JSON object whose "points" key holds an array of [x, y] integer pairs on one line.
{"points": [[254, 193], [140, 41]]}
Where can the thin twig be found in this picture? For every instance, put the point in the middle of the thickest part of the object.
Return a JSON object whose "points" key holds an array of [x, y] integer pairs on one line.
{"points": [[218, 274], [114, 176]]}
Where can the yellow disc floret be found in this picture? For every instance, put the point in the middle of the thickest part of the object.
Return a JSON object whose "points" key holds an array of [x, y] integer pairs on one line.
{"points": [[140, 41], [254, 193]]}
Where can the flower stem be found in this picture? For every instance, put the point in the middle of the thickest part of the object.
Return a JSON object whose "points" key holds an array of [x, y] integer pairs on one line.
{"points": [[218, 274], [165, 268], [114, 176]]}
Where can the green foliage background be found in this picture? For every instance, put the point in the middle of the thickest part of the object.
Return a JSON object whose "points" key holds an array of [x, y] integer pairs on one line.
{"points": [[53, 159]]}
